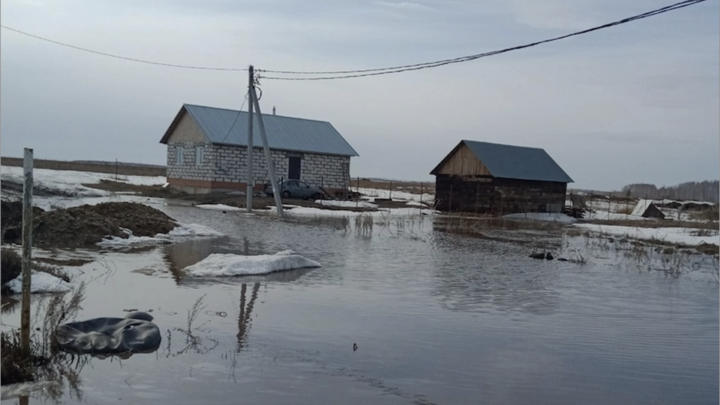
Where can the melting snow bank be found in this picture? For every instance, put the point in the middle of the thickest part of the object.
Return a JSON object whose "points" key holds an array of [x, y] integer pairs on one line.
{"points": [[180, 231], [683, 236], [224, 265], [381, 213], [543, 216], [347, 204], [219, 207], [40, 283]]}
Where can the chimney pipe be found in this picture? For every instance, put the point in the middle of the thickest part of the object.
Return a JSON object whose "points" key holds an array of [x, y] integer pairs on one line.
{"points": [[273, 110]]}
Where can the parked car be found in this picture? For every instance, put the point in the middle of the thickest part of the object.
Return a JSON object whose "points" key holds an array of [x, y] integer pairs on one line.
{"points": [[295, 189]]}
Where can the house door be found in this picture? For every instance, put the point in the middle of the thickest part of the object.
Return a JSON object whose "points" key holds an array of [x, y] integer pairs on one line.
{"points": [[294, 167]]}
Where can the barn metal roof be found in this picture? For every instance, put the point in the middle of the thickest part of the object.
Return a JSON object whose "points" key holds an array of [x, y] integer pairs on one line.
{"points": [[230, 127], [516, 162]]}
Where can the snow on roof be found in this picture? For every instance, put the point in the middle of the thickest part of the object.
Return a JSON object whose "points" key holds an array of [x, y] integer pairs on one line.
{"points": [[641, 207]]}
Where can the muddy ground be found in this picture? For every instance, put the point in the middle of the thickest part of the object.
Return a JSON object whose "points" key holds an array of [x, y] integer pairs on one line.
{"points": [[84, 225]]}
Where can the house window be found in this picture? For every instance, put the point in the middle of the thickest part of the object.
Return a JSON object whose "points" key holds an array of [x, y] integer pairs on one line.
{"points": [[199, 155], [179, 155]]}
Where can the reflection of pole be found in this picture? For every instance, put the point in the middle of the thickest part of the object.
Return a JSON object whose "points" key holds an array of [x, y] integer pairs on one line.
{"points": [[268, 157], [26, 250], [250, 180], [245, 313]]}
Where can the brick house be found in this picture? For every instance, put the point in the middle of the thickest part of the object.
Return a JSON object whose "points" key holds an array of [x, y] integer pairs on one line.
{"points": [[207, 151]]}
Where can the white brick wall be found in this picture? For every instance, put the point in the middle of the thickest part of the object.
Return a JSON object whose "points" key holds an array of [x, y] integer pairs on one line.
{"points": [[229, 164], [189, 170]]}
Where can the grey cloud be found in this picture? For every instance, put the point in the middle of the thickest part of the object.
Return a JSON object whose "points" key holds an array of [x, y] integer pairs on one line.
{"points": [[637, 96]]}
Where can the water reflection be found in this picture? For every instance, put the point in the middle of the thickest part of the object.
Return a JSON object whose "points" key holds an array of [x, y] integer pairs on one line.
{"points": [[245, 317], [181, 255], [493, 277]]}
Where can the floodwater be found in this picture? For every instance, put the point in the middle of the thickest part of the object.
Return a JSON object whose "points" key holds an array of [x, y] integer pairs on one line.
{"points": [[437, 319]]}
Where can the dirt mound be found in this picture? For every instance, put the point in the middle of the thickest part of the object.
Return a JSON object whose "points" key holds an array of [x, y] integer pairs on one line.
{"points": [[88, 224], [11, 213], [10, 266]]}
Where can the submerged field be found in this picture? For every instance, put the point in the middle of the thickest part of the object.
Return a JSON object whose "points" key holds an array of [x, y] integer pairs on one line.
{"points": [[440, 310]]}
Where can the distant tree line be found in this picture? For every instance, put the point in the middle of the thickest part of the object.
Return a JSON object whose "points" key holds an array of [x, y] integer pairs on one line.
{"points": [[691, 190]]}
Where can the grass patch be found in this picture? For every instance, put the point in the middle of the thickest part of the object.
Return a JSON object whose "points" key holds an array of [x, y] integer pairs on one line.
{"points": [[712, 215], [625, 210], [43, 360]]}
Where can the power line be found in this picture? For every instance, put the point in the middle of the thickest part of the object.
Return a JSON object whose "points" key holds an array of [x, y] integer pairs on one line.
{"points": [[122, 57], [236, 117], [347, 74]]}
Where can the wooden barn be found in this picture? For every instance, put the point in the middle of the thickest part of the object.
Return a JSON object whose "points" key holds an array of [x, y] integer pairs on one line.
{"points": [[490, 178]]}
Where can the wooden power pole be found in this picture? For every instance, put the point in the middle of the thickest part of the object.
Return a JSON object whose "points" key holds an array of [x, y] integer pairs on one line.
{"points": [[26, 250], [250, 179]]}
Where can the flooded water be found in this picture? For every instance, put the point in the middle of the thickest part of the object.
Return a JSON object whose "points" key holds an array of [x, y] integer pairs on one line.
{"points": [[437, 319]]}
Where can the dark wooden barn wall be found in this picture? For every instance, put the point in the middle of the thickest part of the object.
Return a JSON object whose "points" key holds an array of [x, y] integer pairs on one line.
{"points": [[488, 195]]}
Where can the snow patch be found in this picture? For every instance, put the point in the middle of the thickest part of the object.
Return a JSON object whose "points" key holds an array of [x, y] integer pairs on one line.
{"points": [[40, 283], [673, 235], [219, 207], [69, 182], [394, 194], [194, 230], [227, 264], [347, 204], [180, 231], [381, 213]]}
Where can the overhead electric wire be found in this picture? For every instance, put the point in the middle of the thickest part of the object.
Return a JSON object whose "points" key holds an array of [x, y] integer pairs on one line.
{"points": [[123, 57], [347, 74], [236, 117]]}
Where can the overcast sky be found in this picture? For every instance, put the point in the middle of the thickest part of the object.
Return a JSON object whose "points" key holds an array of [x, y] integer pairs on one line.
{"points": [[633, 103]]}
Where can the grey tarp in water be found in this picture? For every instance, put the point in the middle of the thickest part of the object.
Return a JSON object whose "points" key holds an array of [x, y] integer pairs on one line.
{"points": [[107, 336]]}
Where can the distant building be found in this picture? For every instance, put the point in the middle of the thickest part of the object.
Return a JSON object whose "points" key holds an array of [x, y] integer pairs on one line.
{"points": [[647, 209], [497, 179], [207, 151]]}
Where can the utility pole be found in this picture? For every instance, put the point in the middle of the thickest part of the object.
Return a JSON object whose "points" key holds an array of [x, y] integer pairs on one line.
{"points": [[27, 221], [268, 157], [250, 180]]}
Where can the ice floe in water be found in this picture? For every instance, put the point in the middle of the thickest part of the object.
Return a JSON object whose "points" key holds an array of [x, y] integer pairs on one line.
{"points": [[40, 283], [180, 231], [194, 230], [227, 264]]}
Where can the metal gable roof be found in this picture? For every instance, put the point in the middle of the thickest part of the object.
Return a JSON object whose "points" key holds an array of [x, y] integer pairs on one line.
{"points": [[229, 127], [518, 162]]}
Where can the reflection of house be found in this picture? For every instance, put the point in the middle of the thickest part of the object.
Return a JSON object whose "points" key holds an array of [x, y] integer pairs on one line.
{"points": [[647, 209], [500, 179], [207, 150]]}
